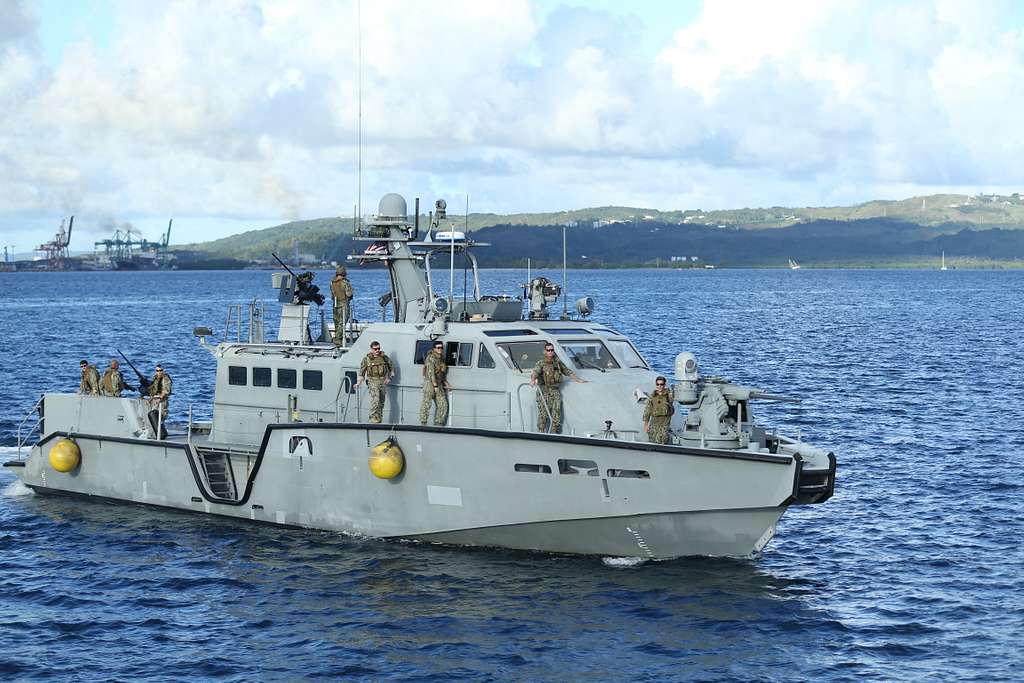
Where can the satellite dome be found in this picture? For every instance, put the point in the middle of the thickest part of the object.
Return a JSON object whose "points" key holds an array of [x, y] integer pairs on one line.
{"points": [[392, 206]]}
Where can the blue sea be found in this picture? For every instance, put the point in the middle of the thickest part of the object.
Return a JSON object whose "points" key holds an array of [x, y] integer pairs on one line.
{"points": [[913, 571]]}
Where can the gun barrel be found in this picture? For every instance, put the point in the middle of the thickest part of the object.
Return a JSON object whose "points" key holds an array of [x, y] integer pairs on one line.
{"points": [[284, 266], [143, 381], [774, 397]]}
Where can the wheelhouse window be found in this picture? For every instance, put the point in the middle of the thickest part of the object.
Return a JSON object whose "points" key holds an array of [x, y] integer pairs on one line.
{"points": [[423, 347], [589, 354], [627, 353], [522, 355], [460, 354], [484, 358], [312, 379], [238, 375], [509, 333], [565, 330], [286, 379], [261, 377]]}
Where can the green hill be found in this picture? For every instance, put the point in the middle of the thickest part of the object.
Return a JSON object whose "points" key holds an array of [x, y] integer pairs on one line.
{"points": [[329, 238]]}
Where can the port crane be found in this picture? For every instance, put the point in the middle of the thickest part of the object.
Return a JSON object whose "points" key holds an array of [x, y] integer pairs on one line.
{"points": [[56, 250]]}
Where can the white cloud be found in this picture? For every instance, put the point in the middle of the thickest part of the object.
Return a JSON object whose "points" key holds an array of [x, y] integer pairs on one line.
{"points": [[246, 110]]}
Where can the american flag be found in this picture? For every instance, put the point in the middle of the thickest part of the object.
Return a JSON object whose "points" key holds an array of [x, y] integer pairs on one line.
{"points": [[375, 249]]}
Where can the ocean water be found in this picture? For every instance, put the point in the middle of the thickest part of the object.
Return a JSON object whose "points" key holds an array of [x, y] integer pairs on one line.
{"points": [[913, 571]]}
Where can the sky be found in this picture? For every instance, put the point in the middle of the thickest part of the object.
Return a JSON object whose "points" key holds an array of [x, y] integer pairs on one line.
{"points": [[242, 114]]}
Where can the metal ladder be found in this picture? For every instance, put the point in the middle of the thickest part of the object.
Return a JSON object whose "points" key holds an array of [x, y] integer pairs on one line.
{"points": [[219, 476], [23, 435]]}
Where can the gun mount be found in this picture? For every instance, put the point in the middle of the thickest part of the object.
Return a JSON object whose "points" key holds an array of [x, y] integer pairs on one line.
{"points": [[719, 409], [541, 292]]}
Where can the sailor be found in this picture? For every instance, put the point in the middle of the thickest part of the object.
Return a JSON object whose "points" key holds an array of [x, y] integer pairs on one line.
{"points": [[547, 377], [112, 383], [658, 412], [341, 293], [160, 391], [435, 382], [90, 384], [377, 370]]}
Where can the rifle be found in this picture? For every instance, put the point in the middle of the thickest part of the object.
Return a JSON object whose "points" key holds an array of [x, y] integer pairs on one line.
{"points": [[143, 382]]}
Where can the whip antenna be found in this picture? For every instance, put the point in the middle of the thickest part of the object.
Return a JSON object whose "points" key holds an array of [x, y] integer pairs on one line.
{"points": [[359, 116], [565, 280]]}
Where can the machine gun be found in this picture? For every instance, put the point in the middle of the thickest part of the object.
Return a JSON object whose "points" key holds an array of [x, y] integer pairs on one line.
{"points": [[305, 291], [143, 382]]}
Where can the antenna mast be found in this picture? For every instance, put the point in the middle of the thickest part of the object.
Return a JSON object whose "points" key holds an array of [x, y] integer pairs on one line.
{"points": [[359, 123], [565, 280], [451, 266]]}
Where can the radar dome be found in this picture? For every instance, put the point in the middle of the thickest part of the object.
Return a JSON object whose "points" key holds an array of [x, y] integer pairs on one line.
{"points": [[392, 206]]}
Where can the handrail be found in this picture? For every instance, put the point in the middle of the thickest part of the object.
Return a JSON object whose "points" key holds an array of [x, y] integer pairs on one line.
{"points": [[343, 412], [34, 409], [522, 413], [519, 404]]}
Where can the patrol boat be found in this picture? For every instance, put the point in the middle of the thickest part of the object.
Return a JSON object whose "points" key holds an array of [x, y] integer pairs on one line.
{"points": [[290, 441]]}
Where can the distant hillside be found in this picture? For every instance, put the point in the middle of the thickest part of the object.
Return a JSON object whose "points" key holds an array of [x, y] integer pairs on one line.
{"points": [[836, 229], [874, 242]]}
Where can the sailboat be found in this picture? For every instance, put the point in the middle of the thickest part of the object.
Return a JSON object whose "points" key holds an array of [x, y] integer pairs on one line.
{"points": [[793, 265], [943, 262]]}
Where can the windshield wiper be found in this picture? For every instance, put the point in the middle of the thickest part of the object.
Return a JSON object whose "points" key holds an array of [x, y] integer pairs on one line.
{"points": [[586, 362]]}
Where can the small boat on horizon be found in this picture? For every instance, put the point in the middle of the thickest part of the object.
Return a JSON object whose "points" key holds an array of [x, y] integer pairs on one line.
{"points": [[793, 265], [943, 262]]}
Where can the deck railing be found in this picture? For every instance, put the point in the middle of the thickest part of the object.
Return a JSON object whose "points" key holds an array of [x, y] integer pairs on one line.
{"points": [[25, 434]]}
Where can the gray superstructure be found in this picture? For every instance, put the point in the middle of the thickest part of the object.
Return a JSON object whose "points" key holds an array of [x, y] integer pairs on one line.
{"points": [[289, 441]]}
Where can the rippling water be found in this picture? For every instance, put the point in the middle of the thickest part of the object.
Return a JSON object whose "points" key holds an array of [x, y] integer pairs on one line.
{"points": [[913, 570]]}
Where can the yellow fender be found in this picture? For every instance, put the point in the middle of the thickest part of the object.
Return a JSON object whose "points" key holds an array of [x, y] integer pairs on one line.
{"points": [[386, 459], [65, 455]]}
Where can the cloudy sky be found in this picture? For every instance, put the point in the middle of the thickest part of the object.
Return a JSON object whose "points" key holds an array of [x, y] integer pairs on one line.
{"points": [[237, 114]]}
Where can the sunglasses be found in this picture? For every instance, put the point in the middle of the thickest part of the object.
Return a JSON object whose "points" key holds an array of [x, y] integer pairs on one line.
{"points": [[549, 350], [375, 348], [659, 384]]}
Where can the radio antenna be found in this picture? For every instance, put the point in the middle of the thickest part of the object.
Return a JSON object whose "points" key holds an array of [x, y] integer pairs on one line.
{"points": [[359, 116], [565, 280]]}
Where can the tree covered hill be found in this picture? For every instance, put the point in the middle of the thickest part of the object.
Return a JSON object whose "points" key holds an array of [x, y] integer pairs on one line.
{"points": [[822, 243], [877, 232]]}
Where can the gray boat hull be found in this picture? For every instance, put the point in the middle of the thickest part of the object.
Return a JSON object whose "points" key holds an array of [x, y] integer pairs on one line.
{"points": [[459, 486]]}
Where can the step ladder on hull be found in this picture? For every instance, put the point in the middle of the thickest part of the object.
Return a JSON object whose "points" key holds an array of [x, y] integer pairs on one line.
{"points": [[220, 478]]}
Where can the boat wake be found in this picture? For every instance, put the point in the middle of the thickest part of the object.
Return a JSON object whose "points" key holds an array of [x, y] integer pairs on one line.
{"points": [[17, 489], [624, 562]]}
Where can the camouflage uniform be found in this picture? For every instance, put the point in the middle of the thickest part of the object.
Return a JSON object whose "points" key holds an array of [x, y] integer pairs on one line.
{"points": [[435, 371], [549, 372], [112, 383], [658, 413], [376, 369], [341, 292], [160, 389], [90, 383]]}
